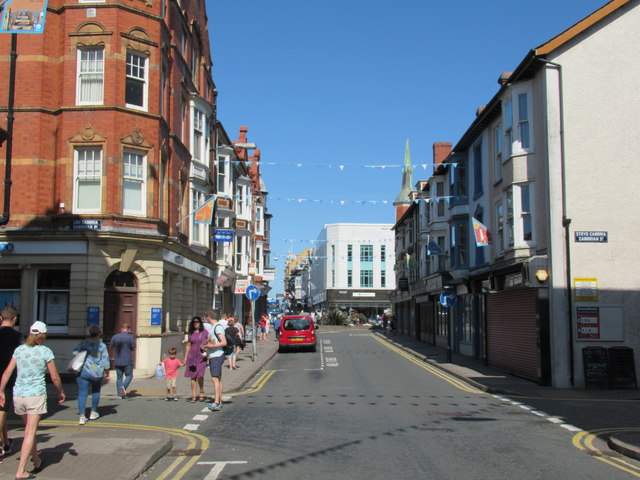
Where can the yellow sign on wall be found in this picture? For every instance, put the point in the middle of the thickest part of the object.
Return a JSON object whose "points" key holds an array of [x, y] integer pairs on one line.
{"points": [[585, 289]]}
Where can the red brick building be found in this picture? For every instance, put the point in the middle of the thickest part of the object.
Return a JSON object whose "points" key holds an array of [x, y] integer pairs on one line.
{"points": [[112, 153]]}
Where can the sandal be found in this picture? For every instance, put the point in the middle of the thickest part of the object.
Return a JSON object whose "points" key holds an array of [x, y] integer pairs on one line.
{"points": [[193, 400], [202, 398]]}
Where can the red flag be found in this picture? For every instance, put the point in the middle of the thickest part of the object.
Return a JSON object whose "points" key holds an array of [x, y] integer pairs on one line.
{"points": [[483, 238]]}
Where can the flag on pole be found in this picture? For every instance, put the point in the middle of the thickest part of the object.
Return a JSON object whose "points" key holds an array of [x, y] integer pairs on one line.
{"points": [[411, 263], [204, 214], [483, 238], [433, 248]]}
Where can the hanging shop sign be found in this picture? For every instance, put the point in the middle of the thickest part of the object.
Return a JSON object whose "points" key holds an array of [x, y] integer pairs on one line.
{"points": [[220, 235]]}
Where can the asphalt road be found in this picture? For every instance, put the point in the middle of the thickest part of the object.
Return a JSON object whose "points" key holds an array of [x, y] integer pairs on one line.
{"points": [[360, 409]]}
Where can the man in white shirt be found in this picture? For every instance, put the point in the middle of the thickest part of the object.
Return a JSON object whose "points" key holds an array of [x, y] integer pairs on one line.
{"points": [[215, 350]]}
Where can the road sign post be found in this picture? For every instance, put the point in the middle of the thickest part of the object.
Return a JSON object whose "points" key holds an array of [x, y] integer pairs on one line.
{"points": [[253, 293], [448, 299]]}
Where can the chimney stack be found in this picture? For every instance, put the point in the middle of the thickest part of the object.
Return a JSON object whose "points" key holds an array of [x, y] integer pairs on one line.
{"points": [[441, 150]]}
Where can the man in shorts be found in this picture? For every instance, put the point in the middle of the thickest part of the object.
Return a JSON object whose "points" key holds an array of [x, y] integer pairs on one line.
{"points": [[215, 350], [10, 339]]}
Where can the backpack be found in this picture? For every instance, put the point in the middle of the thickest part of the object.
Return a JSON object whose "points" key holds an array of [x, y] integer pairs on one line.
{"points": [[230, 336]]}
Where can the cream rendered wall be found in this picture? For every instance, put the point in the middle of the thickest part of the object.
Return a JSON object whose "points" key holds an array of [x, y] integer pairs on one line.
{"points": [[601, 125]]}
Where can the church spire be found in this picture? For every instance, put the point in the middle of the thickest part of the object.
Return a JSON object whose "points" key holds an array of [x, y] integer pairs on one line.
{"points": [[407, 179]]}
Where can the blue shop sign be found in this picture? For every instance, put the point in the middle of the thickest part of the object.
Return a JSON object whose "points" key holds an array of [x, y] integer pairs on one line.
{"points": [[93, 316], [222, 235], [156, 316]]}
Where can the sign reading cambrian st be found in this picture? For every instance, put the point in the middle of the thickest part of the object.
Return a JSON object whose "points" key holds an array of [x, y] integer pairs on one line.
{"points": [[591, 237]]}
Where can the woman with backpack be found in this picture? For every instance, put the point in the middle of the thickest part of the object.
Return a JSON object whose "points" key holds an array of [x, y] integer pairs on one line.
{"points": [[232, 334], [94, 370]]}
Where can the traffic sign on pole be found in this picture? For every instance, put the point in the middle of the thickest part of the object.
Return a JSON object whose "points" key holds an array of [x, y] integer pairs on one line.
{"points": [[448, 299], [252, 292]]}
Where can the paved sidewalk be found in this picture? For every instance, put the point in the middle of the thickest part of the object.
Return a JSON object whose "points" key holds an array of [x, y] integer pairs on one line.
{"points": [[111, 450]]}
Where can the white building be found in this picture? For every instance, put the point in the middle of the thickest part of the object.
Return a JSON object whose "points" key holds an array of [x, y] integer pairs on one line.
{"points": [[352, 267]]}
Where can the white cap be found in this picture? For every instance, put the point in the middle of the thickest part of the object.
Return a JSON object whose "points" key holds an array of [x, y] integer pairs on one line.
{"points": [[38, 327]]}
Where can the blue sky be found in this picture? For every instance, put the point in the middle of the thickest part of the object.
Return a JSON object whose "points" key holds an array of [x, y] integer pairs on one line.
{"points": [[324, 84]]}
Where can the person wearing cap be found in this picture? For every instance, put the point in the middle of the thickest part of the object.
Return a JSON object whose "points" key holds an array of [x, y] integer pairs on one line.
{"points": [[32, 360]]}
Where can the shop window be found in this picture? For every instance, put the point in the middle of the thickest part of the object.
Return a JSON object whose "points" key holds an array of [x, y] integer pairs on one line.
{"points": [[10, 284], [52, 298]]}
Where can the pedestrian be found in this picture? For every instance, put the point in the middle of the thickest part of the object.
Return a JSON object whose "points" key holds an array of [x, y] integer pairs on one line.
{"points": [[171, 366], [195, 357], [276, 326], [224, 320], [207, 320], [242, 343], [32, 359], [232, 332], [10, 339], [94, 371], [263, 327], [215, 348], [123, 345]]}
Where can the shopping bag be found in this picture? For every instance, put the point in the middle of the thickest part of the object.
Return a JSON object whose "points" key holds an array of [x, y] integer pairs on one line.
{"points": [[160, 371], [77, 362]]}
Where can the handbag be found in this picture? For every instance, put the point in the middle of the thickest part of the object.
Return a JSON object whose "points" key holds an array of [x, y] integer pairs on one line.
{"points": [[77, 362]]}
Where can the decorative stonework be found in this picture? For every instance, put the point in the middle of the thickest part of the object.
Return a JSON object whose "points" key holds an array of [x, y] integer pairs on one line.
{"points": [[87, 135], [90, 28], [136, 139]]}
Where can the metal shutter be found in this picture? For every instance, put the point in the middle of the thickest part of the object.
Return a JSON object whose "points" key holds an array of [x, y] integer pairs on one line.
{"points": [[512, 332]]}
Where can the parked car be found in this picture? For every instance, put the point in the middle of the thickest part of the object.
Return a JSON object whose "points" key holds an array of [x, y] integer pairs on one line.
{"points": [[297, 331]]}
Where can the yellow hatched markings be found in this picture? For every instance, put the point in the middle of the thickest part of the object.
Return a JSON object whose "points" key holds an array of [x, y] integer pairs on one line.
{"points": [[192, 438], [584, 441], [459, 384]]}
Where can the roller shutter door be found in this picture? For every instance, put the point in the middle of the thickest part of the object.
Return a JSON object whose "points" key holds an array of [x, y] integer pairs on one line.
{"points": [[512, 332]]}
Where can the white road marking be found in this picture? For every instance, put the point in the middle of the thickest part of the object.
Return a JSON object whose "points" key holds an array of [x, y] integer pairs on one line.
{"points": [[200, 418], [571, 428], [192, 427], [328, 349], [555, 420], [332, 362], [215, 472]]}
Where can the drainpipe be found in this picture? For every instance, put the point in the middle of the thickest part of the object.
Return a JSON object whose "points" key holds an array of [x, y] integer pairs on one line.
{"points": [[7, 174], [566, 222]]}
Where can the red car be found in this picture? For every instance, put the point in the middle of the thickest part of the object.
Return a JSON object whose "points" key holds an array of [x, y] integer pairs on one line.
{"points": [[297, 331]]}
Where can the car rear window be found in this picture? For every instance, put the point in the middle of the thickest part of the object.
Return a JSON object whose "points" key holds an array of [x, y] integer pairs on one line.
{"points": [[296, 324]]}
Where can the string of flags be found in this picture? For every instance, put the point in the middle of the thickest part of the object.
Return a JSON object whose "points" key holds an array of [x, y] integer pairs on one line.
{"points": [[339, 166], [445, 198]]}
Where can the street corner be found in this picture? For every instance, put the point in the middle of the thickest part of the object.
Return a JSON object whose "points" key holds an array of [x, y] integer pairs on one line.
{"points": [[106, 450]]}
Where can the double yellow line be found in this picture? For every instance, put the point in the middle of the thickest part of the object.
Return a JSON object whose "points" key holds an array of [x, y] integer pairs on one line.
{"points": [[584, 441], [459, 384]]}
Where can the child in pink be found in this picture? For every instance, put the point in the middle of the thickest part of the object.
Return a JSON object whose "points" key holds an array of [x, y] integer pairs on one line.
{"points": [[171, 366]]}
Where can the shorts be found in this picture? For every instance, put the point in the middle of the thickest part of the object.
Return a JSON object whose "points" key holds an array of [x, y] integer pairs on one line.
{"points": [[8, 400], [171, 383], [30, 405], [263, 329], [215, 366]]}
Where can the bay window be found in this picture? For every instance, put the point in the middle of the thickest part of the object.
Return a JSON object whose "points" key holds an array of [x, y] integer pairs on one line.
{"points": [[87, 191], [134, 183], [90, 76], [136, 81]]}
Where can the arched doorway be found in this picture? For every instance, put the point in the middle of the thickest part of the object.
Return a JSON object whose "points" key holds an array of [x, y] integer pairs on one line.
{"points": [[120, 304]]}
